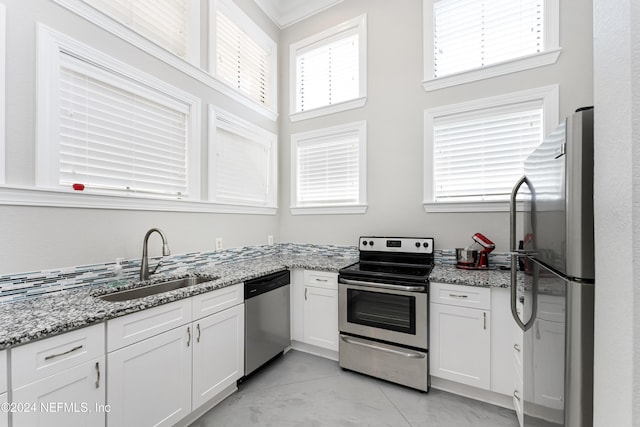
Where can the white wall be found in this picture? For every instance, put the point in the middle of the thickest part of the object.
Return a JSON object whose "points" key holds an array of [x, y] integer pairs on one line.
{"points": [[34, 238], [394, 114], [617, 213]]}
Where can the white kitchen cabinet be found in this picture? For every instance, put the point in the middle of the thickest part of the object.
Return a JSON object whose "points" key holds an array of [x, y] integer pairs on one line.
{"points": [[460, 337], [218, 353], [296, 305], [548, 374], [321, 309], [61, 379], [75, 397], [503, 329], [4, 415], [150, 381]]}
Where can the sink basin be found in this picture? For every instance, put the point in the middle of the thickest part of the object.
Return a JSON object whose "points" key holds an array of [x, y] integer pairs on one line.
{"points": [[155, 289]]}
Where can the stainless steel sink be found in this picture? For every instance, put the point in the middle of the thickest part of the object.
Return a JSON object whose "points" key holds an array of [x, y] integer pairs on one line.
{"points": [[155, 289]]}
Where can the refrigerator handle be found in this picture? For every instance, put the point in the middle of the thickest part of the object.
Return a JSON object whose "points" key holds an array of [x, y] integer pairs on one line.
{"points": [[515, 254]]}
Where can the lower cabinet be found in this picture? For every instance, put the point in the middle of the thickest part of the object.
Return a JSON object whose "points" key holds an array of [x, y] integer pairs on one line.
{"points": [[460, 334], [150, 381], [75, 397], [218, 353]]}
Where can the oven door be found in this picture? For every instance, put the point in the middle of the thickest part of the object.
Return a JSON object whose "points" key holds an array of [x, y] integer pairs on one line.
{"points": [[391, 313]]}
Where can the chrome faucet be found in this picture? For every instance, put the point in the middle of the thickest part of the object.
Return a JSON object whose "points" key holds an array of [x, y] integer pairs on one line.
{"points": [[144, 267]]}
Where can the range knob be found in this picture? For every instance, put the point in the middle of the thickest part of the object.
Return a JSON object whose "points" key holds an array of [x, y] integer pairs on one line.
{"points": [[364, 242], [417, 244], [425, 244], [370, 242]]}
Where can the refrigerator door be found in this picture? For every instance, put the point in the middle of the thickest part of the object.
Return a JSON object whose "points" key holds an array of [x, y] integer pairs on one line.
{"points": [[557, 352], [560, 178]]}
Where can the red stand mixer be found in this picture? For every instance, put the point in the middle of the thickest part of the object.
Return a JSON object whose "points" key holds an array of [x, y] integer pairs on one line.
{"points": [[470, 259]]}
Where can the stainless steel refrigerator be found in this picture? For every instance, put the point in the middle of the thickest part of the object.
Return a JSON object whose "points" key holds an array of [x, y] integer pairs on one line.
{"points": [[552, 277]]}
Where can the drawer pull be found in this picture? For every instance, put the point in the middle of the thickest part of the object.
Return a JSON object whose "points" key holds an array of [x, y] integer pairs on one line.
{"points": [[188, 336], [321, 280], [458, 296], [484, 315], [305, 293], [97, 375], [53, 356], [516, 395], [517, 347], [198, 326]]}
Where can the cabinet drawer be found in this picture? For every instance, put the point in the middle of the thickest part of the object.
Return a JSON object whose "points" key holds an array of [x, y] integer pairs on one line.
{"points": [[135, 327], [218, 300], [460, 295], [3, 371], [321, 279], [34, 361]]}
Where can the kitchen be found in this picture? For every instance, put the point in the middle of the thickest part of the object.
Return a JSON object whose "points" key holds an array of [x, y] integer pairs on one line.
{"points": [[42, 237]]}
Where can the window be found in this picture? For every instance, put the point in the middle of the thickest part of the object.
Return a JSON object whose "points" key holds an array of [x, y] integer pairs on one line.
{"points": [[242, 164], [330, 70], [328, 170], [242, 55], [474, 151], [112, 128], [468, 40], [172, 24]]}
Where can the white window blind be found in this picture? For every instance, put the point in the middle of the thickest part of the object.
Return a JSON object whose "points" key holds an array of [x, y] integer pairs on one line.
{"points": [[242, 62], [479, 156], [165, 22], [328, 72], [470, 34], [243, 164], [328, 170], [119, 136]]}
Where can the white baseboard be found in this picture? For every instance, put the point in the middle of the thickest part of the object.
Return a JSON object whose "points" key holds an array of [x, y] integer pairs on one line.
{"points": [[316, 351], [487, 396]]}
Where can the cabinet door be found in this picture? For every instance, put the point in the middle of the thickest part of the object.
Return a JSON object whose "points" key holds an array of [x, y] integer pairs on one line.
{"points": [[218, 353], [150, 381], [548, 374], [75, 397], [321, 317], [297, 305], [4, 415], [503, 329], [460, 344]]}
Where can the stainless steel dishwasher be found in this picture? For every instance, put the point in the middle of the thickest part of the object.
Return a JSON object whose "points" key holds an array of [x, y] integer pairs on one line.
{"points": [[267, 319]]}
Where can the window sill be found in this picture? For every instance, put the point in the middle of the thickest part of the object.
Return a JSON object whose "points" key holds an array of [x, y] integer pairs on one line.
{"points": [[192, 70], [30, 196], [329, 109], [461, 207], [328, 210], [493, 70]]}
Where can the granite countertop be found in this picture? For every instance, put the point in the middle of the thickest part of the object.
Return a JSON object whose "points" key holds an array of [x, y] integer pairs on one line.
{"points": [[31, 319], [40, 317], [486, 278]]}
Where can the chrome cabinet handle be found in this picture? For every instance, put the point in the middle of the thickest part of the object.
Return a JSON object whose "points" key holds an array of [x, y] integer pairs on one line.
{"points": [[484, 315], [516, 395], [517, 347], [305, 293], [97, 374], [198, 326], [188, 336], [458, 296], [321, 280], [53, 356]]}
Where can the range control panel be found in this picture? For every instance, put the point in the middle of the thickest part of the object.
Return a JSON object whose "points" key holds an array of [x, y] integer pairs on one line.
{"points": [[422, 245]]}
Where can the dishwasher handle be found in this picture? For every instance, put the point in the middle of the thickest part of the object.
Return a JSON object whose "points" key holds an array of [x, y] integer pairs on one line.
{"points": [[267, 283]]}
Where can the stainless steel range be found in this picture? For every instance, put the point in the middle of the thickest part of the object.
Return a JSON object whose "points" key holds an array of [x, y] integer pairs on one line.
{"points": [[383, 310]]}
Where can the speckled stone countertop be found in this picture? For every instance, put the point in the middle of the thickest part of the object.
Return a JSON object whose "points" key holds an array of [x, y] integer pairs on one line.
{"points": [[40, 317], [487, 278]]}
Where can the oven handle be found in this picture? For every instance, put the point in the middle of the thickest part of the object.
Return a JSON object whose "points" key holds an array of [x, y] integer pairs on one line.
{"points": [[355, 341], [383, 286]]}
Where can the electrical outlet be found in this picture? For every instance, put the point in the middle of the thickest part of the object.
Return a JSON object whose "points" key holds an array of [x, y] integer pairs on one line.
{"points": [[270, 239], [218, 243]]}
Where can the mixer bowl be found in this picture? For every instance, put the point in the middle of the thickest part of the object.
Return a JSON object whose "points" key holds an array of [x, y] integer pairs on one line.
{"points": [[466, 256]]}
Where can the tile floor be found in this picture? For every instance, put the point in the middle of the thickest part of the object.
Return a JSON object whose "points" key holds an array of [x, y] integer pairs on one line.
{"points": [[303, 390]]}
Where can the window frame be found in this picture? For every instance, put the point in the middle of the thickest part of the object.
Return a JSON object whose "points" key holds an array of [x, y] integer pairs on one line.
{"points": [[548, 56], [52, 44], [359, 24], [192, 70], [245, 23], [356, 208], [548, 96], [249, 130]]}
